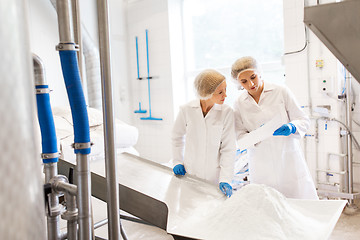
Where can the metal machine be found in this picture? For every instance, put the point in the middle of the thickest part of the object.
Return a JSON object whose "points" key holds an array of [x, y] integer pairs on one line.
{"points": [[337, 26]]}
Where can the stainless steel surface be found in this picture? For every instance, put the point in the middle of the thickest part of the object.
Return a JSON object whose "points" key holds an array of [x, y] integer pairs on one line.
{"points": [[84, 196], [49, 155], [82, 145], [181, 198], [50, 169], [337, 26], [154, 194], [75, 7], [21, 199], [100, 224], [132, 201], [39, 70], [53, 218], [82, 161], [330, 194], [42, 90], [349, 138], [108, 115], [67, 47], [61, 185], [64, 21], [53, 229], [182, 195], [71, 216]]}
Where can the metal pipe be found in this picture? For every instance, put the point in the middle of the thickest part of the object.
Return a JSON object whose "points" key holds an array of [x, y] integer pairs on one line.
{"points": [[71, 216], [349, 139], [84, 196], [65, 187], [92, 66], [50, 169], [53, 217], [108, 115], [77, 33], [69, 62], [60, 184], [317, 151], [100, 224], [64, 17], [39, 70]]}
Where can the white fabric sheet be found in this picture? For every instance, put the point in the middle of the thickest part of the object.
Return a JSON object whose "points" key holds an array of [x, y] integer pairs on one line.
{"points": [[126, 136]]}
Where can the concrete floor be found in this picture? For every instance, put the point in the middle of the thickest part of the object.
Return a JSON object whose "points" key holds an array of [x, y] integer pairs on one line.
{"points": [[348, 226]]}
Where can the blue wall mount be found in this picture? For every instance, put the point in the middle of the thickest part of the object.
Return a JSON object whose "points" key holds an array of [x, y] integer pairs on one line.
{"points": [[140, 110], [150, 117]]}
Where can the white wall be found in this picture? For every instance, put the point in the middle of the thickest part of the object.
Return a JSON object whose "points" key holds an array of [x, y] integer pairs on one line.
{"points": [[154, 140], [43, 39], [122, 89], [299, 68]]}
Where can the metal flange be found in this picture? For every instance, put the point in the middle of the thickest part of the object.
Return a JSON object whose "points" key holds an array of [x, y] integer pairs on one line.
{"points": [[67, 47]]}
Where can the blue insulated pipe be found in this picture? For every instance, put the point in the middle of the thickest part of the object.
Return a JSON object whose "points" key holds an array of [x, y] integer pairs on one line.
{"points": [[47, 126], [76, 97]]}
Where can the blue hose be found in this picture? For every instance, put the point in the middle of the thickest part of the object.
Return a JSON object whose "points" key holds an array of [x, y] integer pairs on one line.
{"points": [[76, 97], [47, 126]]}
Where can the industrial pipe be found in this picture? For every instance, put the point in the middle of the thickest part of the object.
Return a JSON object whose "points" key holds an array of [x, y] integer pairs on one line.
{"points": [[65, 18], [69, 64], [349, 139], [45, 116], [49, 143], [108, 115], [92, 65], [77, 32], [60, 185]]}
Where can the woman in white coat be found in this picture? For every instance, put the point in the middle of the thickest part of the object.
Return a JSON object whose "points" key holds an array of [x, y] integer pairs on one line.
{"points": [[203, 136], [276, 161]]}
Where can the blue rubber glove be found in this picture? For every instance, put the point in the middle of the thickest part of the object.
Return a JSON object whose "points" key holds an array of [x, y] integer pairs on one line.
{"points": [[226, 188], [179, 169], [285, 130]]}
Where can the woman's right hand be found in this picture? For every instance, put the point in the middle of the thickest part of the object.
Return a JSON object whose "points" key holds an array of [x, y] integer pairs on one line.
{"points": [[179, 169], [285, 130]]}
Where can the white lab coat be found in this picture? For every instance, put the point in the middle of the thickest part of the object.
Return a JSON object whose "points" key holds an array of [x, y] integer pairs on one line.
{"points": [[205, 145], [278, 160]]}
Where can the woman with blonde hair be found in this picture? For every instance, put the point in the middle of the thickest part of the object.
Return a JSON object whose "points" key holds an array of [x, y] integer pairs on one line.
{"points": [[276, 161], [203, 136]]}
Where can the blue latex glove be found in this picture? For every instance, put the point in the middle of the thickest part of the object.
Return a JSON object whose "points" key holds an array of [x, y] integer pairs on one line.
{"points": [[285, 130], [179, 169], [226, 188]]}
